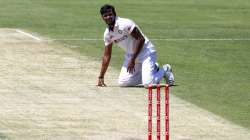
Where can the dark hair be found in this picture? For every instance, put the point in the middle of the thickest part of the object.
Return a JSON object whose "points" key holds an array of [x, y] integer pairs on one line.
{"points": [[105, 8]]}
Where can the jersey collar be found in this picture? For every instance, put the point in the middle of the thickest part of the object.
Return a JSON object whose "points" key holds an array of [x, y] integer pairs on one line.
{"points": [[115, 26]]}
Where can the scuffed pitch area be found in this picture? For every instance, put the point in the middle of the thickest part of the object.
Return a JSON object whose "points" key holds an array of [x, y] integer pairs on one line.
{"points": [[48, 92]]}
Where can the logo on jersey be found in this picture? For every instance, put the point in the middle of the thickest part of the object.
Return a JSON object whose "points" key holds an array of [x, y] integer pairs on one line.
{"points": [[121, 39], [120, 31]]}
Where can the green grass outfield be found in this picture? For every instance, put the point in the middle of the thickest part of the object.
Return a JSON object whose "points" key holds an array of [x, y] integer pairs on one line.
{"points": [[213, 74]]}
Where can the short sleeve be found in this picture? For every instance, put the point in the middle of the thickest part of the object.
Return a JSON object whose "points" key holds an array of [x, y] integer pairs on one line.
{"points": [[129, 26], [107, 38]]}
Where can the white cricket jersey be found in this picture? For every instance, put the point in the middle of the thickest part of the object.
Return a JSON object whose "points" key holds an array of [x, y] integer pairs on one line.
{"points": [[121, 35]]}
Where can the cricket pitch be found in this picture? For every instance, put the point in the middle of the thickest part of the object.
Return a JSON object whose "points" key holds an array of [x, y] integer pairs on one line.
{"points": [[48, 92]]}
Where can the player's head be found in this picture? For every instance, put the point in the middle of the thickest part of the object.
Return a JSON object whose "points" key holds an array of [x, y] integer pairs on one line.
{"points": [[108, 13], [107, 8]]}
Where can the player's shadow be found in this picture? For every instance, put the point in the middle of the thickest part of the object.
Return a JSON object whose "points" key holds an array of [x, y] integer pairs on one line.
{"points": [[142, 86]]}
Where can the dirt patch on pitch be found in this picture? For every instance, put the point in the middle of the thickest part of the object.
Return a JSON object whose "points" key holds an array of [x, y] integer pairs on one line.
{"points": [[48, 92]]}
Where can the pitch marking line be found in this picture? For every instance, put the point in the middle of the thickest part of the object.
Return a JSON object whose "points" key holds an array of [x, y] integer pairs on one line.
{"points": [[28, 34], [204, 39], [156, 39], [164, 39]]}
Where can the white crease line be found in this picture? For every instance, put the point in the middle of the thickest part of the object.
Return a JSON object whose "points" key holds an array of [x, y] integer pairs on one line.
{"points": [[28, 34], [164, 39], [77, 39], [154, 39], [203, 39]]}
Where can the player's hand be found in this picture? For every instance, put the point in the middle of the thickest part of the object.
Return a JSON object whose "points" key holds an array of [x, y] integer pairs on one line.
{"points": [[131, 66], [101, 82]]}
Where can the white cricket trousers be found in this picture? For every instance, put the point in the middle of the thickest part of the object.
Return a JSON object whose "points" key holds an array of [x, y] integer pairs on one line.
{"points": [[145, 73]]}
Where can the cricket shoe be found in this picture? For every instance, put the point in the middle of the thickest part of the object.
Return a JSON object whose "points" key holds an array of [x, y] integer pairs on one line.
{"points": [[168, 76], [157, 67]]}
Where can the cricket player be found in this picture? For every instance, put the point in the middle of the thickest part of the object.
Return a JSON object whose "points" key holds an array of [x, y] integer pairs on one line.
{"points": [[139, 66]]}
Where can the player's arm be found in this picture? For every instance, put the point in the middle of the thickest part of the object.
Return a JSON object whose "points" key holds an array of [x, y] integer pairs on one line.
{"points": [[140, 43], [105, 63]]}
